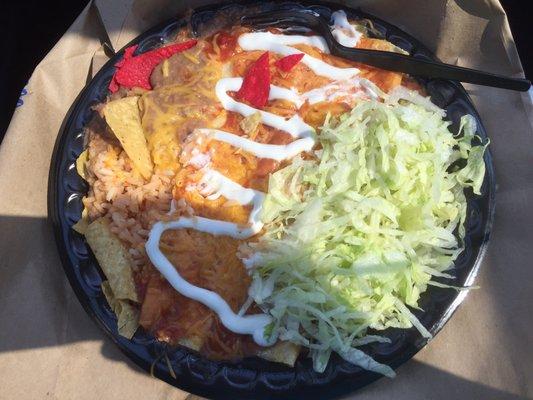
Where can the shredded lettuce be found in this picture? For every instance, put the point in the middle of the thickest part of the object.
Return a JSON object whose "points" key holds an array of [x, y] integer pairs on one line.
{"points": [[355, 235]]}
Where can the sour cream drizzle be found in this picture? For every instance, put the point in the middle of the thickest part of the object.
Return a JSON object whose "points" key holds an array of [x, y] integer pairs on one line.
{"points": [[287, 40], [350, 89], [276, 43], [343, 31], [213, 184], [354, 87], [261, 150], [295, 126], [249, 324]]}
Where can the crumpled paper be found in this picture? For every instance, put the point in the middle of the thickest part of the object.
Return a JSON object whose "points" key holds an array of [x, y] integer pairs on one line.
{"points": [[49, 348]]}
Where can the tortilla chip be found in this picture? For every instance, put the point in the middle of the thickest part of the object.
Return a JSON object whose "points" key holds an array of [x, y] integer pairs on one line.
{"points": [[83, 223], [81, 163], [113, 258], [81, 226], [123, 118], [109, 296], [194, 343], [281, 352], [127, 315], [250, 124]]}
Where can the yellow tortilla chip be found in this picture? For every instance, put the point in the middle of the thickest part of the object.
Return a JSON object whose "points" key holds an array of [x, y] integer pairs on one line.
{"points": [[194, 343], [123, 118], [281, 352], [81, 162], [164, 68], [250, 123], [113, 258], [83, 223], [81, 226], [127, 315]]}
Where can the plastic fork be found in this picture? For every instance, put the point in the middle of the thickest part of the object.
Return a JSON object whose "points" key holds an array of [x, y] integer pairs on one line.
{"points": [[383, 59]]}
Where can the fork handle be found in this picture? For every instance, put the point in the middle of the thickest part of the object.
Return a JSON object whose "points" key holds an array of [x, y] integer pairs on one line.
{"points": [[431, 69]]}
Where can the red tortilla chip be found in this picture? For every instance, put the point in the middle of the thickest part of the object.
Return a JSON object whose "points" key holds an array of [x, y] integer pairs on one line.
{"points": [[255, 87], [289, 62], [134, 71]]}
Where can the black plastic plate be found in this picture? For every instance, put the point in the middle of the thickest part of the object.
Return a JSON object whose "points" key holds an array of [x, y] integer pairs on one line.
{"points": [[254, 378]]}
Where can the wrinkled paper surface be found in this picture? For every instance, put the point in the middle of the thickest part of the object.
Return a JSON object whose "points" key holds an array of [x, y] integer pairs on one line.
{"points": [[49, 347]]}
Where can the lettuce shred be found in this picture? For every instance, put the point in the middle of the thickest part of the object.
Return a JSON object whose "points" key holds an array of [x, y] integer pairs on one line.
{"points": [[357, 233]]}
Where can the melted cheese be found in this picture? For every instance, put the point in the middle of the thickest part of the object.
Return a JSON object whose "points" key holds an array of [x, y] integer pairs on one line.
{"points": [[214, 185], [250, 324]]}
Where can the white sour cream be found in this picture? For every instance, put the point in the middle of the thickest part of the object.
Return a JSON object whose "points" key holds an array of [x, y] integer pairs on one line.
{"points": [[267, 41], [199, 160], [288, 40], [343, 31], [278, 92], [295, 126], [213, 184], [261, 150], [248, 325], [352, 88], [253, 260], [348, 90]]}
